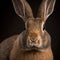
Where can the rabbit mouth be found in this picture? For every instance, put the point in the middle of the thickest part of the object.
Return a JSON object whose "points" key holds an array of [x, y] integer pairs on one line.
{"points": [[43, 47], [25, 47], [33, 48]]}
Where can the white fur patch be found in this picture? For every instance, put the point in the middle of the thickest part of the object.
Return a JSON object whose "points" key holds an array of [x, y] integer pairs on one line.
{"points": [[42, 27]]}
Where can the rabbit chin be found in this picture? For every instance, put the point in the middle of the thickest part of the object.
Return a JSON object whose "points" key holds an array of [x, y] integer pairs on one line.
{"points": [[37, 48], [33, 48]]}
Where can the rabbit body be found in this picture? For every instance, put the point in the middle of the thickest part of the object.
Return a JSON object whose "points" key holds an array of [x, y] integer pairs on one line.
{"points": [[11, 50]]}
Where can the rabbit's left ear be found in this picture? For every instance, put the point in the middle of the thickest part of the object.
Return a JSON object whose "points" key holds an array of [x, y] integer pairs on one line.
{"points": [[19, 7], [46, 8], [22, 9]]}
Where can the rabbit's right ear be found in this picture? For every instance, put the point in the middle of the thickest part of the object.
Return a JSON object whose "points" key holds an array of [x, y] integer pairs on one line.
{"points": [[46, 8], [22, 9]]}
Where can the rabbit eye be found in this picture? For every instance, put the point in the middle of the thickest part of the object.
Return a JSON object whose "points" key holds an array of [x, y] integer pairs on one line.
{"points": [[44, 27]]}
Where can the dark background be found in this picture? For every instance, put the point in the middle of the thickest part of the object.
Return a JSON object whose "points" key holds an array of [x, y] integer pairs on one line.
{"points": [[11, 24]]}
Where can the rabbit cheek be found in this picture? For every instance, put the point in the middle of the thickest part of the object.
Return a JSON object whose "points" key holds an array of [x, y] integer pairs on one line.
{"points": [[46, 42]]}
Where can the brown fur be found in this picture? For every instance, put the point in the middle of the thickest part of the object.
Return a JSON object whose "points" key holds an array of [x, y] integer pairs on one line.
{"points": [[6, 46], [18, 54], [12, 48]]}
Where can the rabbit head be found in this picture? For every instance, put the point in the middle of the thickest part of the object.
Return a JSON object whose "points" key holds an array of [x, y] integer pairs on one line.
{"points": [[35, 37]]}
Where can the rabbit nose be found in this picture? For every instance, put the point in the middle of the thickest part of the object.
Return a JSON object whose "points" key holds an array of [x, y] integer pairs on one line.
{"points": [[32, 41], [35, 41]]}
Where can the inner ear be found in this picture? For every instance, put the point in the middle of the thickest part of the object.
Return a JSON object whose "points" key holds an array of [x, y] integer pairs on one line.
{"points": [[34, 5]]}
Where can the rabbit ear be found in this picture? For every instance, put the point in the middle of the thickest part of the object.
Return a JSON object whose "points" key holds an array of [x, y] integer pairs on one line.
{"points": [[22, 9], [46, 9]]}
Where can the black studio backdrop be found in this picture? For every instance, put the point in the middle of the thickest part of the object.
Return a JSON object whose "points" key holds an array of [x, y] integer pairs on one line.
{"points": [[11, 24]]}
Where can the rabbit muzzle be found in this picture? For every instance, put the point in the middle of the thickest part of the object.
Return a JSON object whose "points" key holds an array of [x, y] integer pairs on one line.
{"points": [[34, 41]]}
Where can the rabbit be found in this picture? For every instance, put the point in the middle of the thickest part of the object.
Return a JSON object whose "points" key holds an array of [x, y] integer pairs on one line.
{"points": [[34, 43]]}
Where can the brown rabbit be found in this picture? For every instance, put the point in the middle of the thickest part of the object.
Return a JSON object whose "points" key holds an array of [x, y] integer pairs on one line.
{"points": [[34, 43]]}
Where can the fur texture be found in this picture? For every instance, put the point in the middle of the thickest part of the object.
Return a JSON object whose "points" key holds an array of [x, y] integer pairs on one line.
{"points": [[34, 43], [17, 53]]}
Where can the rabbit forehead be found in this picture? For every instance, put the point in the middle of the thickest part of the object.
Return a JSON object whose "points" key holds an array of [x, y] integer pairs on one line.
{"points": [[35, 21], [34, 26]]}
